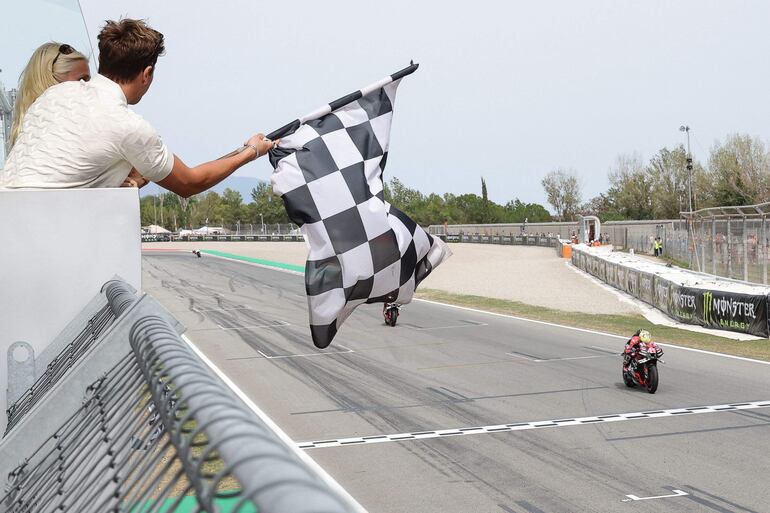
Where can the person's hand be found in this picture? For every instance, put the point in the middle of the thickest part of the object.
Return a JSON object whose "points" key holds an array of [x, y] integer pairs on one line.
{"points": [[134, 179], [261, 145]]}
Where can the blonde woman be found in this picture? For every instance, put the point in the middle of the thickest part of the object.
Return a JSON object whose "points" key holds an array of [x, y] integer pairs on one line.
{"points": [[50, 64]]}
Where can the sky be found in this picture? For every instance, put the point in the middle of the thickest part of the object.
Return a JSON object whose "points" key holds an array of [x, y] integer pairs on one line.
{"points": [[506, 90]]}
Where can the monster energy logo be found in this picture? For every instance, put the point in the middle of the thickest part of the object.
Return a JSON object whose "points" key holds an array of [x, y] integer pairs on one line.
{"points": [[726, 307], [708, 300]]}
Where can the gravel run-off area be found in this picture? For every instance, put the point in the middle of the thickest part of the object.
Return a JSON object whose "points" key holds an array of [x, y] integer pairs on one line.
{"points": [[531, 275]]}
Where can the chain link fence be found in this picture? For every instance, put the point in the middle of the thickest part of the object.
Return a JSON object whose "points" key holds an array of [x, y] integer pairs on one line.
{"points": [[735, 247]]}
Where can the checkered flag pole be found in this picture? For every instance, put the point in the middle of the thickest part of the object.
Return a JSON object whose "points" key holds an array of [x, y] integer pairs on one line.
{"points": [[328, 172]]}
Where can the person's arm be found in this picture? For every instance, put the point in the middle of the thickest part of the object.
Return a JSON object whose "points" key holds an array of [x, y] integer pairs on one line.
{"points": [[188, 181]]}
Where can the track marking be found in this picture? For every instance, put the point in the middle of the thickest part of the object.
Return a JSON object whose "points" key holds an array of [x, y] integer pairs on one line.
{"points": [[302, 455], [235, 308], [277, 324], [524, 319], [541, 360], [677, 493], [274, 357], [594, 332], [468, 324], [525, 426]]}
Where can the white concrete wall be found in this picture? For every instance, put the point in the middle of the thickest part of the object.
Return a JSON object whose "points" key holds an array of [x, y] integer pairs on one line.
{"points": [[57, 248]]}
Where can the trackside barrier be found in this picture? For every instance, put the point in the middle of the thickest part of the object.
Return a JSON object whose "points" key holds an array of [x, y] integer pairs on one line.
{"points": [[685, 296], [139, 423], [231, 238], [508, 240]]}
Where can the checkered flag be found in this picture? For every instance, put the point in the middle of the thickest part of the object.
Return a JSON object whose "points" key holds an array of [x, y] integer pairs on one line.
{"points": [[328, 171]]}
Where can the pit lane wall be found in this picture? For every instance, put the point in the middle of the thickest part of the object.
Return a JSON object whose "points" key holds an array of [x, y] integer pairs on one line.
{"points": [[686, 296]]}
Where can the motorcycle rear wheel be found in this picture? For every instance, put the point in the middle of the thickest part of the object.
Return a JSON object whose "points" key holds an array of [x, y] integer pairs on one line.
{"points": [[652, 379]]}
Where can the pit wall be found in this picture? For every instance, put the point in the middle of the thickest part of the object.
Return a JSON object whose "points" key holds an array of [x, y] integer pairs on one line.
{"points": [[685, 296]]}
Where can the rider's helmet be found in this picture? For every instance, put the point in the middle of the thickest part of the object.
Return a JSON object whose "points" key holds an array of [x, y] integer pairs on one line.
{"points": [[645, 336]]}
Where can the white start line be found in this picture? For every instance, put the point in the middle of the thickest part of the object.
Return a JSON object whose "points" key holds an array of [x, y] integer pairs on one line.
{"points": [[524, 426]]}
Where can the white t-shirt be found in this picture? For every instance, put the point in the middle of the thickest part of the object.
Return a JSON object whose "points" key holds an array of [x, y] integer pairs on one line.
{"points": [[82, 134]]}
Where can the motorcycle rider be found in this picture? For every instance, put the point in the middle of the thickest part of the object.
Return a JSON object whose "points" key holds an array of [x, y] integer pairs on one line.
{"points": [[633, 346]]}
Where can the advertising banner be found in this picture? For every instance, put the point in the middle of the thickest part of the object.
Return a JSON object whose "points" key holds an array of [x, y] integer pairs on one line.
{"points": [[645, 287], [632, 277], [661, 293], [735, 312], [622, 278], [683, 304]]}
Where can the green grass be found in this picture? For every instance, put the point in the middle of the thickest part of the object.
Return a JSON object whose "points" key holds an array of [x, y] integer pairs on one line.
{"points": [[624, 325]]}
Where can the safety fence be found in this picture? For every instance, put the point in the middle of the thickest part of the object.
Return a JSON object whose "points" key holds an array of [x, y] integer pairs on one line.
{"points": [[623, 234], [709, 303], [137, 422], [737, 248]]}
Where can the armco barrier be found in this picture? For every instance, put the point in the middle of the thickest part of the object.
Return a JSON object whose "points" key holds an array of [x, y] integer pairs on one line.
{"points": [[709, 307], [137, 422]]}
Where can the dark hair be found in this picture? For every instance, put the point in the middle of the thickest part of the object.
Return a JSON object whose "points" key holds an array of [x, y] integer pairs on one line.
{"points": [[127, 47]]}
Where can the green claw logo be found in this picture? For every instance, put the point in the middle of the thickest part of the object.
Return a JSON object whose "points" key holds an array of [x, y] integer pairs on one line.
{"points": [[708, 302]]}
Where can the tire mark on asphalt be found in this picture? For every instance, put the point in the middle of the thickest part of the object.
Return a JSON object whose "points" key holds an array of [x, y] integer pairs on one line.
{"points": [[691, 489]]}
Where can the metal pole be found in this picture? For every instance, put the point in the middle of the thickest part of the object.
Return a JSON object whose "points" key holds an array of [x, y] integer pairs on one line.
{"points": [[729, 251], [703, 239], [689, 166], [713, 246], [745, 251], [764, 250]]}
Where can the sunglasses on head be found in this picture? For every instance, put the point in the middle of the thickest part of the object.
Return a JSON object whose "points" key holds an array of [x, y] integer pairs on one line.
{"points": [[64, 49]]}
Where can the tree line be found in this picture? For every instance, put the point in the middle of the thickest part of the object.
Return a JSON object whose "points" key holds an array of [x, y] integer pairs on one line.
{"points": [[227, 209], [736, 172]]}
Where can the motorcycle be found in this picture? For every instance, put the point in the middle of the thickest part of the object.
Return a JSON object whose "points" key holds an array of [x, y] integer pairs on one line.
{"points": [[390, 312], [642, 370]]}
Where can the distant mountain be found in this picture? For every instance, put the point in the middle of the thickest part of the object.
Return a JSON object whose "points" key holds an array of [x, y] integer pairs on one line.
{"points": [[242, 184]]}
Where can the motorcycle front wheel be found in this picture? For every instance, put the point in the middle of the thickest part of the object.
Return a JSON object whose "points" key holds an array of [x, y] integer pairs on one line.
{"points": [[652, 378], [628, 380], [393, 317]]}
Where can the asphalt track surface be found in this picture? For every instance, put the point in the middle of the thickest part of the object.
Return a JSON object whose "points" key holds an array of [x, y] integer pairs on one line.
{"points": [[460, 411]]}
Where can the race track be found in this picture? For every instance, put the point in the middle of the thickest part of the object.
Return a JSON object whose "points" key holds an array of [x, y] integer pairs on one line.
{"points": [[461, 411]]}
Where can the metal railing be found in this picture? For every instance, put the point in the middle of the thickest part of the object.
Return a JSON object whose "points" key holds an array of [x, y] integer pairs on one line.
{"points": [[157, 431]]}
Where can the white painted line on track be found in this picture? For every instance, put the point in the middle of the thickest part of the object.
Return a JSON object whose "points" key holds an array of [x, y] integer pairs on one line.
{"points": [[541, 360], [468, 325], [302, 455], [525, 426], [330, 353], [524, 319], [562, 326], [277, 324], [235, 308], [677, 493]]}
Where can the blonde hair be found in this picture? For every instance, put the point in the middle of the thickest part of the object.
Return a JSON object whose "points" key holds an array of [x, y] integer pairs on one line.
{"points": [[40, 74]]}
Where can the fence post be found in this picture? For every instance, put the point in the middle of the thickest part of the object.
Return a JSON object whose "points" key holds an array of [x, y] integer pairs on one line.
{"points": [[729, 250], [764, 251], [745, 251], [714, 246], [703, 239]]}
